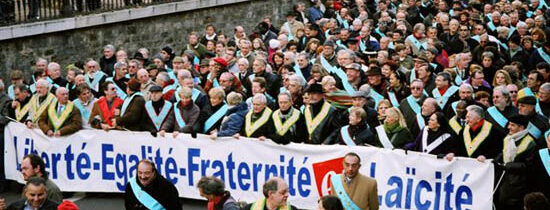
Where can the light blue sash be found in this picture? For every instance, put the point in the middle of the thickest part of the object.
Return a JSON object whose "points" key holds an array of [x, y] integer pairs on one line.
{"points": [[543, 55], [528, 92], [127, 102], [538, 109], [179, 118], [414, 106], [119, 92], [158, 119], [391, 46], [326, 64], [302, 108], [545, 159], [434, 65], [442, 99], [362, 46], [476, 37], [339, 43], [331, 69], [393, 99], [497, 116], [453, 105], [83, 111], [491, 26], [417, 43], [346, 137], [376, 96], [533, 130], [458, 80], [95, 84], [215, 117], [143, 197], [413, 75], [512, 30], [11, 93], [298, 71], [290, 35], [33, 87], [194, 94], [215, 81], [420, 121], [343, 22], [377, 30], [327, 33], [336, 182]]}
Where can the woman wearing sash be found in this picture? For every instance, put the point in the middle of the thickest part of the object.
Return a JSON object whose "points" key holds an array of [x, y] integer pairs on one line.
{"points": [[103, 110], [356, 133], [396, 90], [186, 113], [394, 132], [436, 138], [211, 117]]}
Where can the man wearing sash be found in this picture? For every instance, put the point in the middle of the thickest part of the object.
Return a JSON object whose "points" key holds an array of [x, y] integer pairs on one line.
{"points": [[356, 133], [185, 79], [320, 117], [421, 119], [132, 110], [149, 190], [119, 79], [276, 194], [61, 117], [167, 84], [257, 122], [465, 93], [377, 83], [16, 78], [355, 78], [94, 78], [541, 54], [20, 107], [186, 113], [534, 81], [211, 117], [355, 190], [103, 111], [54, 72], [502, 109], [462, 73], [273, 83], [543, 105], [540, 176], [479, 139], [458, 121], [411, 106], [538, 124], [288, 122], [416, 40], [361, 100], [517, 153], [445, 93], [39, 102], [84, 103], [160, 118]]}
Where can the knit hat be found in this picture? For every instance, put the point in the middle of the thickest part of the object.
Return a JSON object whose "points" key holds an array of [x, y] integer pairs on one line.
{"points": [[134, 84], [531, 100], [67, 205], [520, 120]]}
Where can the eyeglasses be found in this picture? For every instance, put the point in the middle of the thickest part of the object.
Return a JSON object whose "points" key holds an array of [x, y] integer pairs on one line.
{"points": [[132, 67], [416, 88], [513, 91]]}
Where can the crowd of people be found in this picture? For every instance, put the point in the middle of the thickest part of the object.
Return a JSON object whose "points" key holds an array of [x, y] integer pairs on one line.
{"points": [[461, 78]]}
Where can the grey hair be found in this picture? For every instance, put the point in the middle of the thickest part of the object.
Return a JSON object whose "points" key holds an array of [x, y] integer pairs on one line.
{"points": [[297, 78], [164, 76], [42, 82], [110, 47], [347, 51], [466, 86], [260, 97], [505, 92], [271, 185], [243, 60], [184, 74], [293, 57], [418, 80], [286, 93], [545, 86], [234, 98], [120, 64], [488, 54], [476, 110], [54, 65]]}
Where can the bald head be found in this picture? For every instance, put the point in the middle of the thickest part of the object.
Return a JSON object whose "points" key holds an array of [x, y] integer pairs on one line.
{"points": [[143, 76]]}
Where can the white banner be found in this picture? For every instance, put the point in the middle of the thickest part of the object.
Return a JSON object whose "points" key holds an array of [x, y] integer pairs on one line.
{"points": [[99, 161]]}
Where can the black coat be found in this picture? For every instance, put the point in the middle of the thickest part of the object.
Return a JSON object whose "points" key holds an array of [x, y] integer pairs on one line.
{"points": [[20, 205], [297, 135], [360, 134], [539, 178], [107, 65], [265, 130], [160, 189], [490, 147], [329, 124], [444, 148]]}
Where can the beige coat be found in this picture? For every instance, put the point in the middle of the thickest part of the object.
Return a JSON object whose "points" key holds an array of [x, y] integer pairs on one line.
{"points": [[362, 190]]}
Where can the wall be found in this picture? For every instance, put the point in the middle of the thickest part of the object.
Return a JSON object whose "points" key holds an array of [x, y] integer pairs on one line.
{"points": [[153, 33]]}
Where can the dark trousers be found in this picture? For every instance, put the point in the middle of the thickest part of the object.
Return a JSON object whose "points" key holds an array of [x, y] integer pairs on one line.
{"points": [[34, 9]]}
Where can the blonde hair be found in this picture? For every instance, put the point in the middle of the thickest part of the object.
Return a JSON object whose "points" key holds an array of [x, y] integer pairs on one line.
{"points": [[400, 118], [217, 92], [185, 92], [507, 77], [234, 98]]}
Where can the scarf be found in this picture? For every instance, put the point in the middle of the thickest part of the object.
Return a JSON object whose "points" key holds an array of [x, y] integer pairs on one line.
{"points": [[391, 128], [212, 203], [510, 152]]}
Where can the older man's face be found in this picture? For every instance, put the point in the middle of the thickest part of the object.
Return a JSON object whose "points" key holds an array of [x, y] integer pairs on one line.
{"points": [[257, 105]]}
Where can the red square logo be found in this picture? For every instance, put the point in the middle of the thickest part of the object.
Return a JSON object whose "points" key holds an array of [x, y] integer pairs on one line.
{"points": [[323, 172]]}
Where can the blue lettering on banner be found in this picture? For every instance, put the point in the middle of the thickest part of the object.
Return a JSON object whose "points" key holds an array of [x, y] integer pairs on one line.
{"points": [[402, 191]]}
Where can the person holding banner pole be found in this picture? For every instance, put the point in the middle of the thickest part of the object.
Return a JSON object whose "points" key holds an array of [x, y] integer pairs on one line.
{"points": [[276, 194], [355, 190], [61, 117], [519, 149], [132, 110], [149, 190], [356, 133], [394, 132]]}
